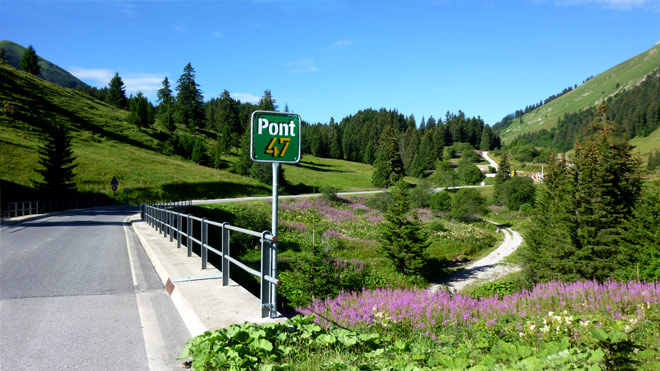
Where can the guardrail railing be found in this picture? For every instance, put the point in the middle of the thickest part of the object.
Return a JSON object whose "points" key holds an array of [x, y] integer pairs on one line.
{"points": [[195, 230], [23, 208]]}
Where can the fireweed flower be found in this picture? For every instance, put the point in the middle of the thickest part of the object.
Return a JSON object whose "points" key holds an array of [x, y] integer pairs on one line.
{"points": [[430, 309]]}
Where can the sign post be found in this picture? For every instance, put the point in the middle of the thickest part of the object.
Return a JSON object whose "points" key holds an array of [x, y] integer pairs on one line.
{"points": [[114, 182], [274, 138]]}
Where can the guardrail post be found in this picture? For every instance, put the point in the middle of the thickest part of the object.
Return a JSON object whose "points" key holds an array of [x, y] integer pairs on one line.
{"points": [[205, 240], [171, 215], [265, 270], [225, 254], [189, 235], [178, 230]]}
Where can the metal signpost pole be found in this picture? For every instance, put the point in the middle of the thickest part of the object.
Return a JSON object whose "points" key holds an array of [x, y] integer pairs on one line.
{"points": [[275, 138], [273, 270]]}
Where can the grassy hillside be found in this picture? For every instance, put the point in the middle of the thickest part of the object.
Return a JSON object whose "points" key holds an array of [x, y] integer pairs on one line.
{"points": [[49, 71], [593, 92], [106, 146]]}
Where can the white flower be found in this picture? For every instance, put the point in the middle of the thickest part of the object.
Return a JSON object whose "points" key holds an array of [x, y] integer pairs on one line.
{"points": [[545, 328]]}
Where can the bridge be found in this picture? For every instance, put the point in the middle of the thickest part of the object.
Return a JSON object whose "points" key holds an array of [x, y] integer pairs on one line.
{"points": [[102, 289]]}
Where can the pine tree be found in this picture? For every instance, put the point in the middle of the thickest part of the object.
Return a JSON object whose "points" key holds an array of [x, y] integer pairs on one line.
{"points": [[139, 115], [426, 155], [189, 100], [402, 236], [3, 56], [116, 93], [30, 61], [244, 162], [267, 102], [583, 209], [641, 259], [502, 176], [165, 93], [228, 114], [388, 164], [57, 162], [166, 106]]}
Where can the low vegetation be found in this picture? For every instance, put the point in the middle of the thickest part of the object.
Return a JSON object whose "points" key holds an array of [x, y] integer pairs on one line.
{"points": [[581, 325]]}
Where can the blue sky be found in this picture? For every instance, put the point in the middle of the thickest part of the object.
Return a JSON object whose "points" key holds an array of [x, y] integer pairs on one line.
{"points": [[332, 58]]}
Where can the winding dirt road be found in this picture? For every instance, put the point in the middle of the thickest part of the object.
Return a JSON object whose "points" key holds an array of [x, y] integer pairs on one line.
{"points": [[488, 268]]}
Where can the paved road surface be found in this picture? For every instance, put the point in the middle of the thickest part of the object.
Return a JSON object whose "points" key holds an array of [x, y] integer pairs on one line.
{"points": [[77, 292]]}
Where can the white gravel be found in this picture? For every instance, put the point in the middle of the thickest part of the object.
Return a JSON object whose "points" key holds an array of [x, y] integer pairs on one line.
{"points": [[488, 268]]}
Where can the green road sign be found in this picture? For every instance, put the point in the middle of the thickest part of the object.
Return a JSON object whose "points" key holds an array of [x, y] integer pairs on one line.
{"points": [[275, 137]]}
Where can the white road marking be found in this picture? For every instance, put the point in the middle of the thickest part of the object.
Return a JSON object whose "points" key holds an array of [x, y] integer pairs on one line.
{"points": [[155, 347]]}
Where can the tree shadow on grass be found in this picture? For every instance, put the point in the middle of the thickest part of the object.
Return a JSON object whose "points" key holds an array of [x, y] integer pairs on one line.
{"points": [[317, 167], [212, 190]]}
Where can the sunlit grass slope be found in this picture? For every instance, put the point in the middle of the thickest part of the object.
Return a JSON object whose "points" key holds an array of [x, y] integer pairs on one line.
{"points": [[106, 145], [595, 91]]}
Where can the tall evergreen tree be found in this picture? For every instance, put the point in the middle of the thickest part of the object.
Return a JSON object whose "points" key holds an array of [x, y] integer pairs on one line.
{"points": [[3, 56], [267, 102], [30, 61], [139, 111], [426, 155], [56, 161], [244, 162], [117, 93], [502, 176], [641, 259], [166, 106], [388, 165], [584, 208], [165, 97], [402, 236], [228, 113], [189, 100]]}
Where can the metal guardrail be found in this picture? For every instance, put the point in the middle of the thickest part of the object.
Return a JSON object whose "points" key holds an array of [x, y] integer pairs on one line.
{"points": [[23, 208], [196, 232]]}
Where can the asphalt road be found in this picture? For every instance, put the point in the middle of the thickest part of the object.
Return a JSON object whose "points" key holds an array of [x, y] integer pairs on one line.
{"points": [[77, 292]]}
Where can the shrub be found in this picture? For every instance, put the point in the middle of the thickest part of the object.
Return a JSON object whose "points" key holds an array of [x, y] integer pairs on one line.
{"points": [[380, 201], [329, 192], [420, 196], [440, 201], [526, 209], [467, 204], [517, 191], [469, 173], [444, 175]]}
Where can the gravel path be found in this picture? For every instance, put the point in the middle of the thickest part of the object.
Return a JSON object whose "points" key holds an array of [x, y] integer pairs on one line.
{"points": [[490, 160], [487, 268]]}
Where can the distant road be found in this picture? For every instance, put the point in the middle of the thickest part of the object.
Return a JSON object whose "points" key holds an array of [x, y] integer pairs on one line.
{"points": [[78, 292], [490, 160]]}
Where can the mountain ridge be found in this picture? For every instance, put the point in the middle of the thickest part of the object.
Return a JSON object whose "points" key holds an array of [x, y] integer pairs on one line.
{"points": [[49, 70], [592, 92]]}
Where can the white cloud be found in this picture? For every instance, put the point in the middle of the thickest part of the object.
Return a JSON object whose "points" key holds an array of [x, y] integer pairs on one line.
{"points": [[181, 29], [301, 66], [245, 97], [339, 44], [147, 83], [218, 35], [100, 76]]}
